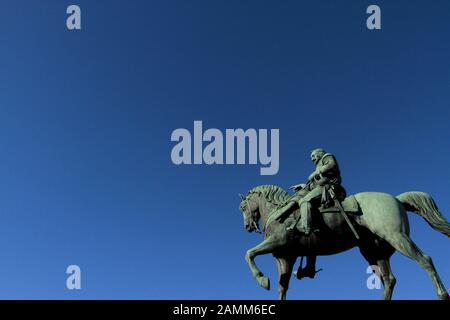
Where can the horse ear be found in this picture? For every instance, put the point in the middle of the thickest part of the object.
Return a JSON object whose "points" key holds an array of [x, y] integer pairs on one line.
{"points": [[242, 196]]}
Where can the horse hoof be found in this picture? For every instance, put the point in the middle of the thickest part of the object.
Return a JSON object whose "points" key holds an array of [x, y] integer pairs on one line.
{"points": [[444, 296], [264, 282]]}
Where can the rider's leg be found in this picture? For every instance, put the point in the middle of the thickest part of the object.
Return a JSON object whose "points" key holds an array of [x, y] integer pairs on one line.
{"points": [[282, 211], [304, 217], [305, 205], [305, 221]]}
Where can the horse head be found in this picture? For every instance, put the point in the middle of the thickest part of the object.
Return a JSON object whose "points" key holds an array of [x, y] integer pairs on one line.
{"points": [[250, 211]]}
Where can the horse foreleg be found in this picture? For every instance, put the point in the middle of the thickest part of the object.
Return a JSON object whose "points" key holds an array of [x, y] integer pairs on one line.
{"points": [[267, 246], [284, 268]]}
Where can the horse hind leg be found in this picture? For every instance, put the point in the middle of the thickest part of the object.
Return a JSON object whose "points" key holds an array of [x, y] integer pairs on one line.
{"points": [[407, 247], [387, 277], [378, 254]]}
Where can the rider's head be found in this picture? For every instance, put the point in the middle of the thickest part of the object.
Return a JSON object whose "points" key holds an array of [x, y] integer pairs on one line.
{"points": [[317, 154]]}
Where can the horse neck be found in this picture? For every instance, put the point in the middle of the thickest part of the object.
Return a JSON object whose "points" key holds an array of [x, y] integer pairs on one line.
{"points": [[265, 208]]}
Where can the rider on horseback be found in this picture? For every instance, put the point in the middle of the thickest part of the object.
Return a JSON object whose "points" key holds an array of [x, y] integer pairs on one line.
{"points": [[382, 217], [316, 192]]}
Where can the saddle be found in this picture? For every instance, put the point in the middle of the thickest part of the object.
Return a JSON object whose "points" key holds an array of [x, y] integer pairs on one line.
{"points": [[349, 204]]}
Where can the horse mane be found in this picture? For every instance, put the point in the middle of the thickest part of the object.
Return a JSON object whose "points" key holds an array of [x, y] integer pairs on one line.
{"points": [[273, 194]]}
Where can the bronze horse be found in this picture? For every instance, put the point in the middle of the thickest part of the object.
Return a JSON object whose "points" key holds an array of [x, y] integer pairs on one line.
{"points": [[382, 225]]}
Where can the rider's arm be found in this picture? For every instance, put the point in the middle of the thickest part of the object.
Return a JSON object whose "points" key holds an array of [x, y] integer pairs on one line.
{"points": [[329, 163]]}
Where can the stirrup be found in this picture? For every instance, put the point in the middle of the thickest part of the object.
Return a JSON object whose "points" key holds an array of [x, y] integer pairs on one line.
{"points": [[304, 272]]}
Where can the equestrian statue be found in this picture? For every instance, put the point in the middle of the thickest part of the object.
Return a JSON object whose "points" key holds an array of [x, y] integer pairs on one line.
{"points": [[319, 219]]}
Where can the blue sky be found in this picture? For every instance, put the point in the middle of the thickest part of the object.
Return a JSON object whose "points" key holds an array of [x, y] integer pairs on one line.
{"points": [[86, 116]]}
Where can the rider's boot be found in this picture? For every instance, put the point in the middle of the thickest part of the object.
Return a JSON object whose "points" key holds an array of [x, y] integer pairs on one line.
{"points": [[309, 271]]}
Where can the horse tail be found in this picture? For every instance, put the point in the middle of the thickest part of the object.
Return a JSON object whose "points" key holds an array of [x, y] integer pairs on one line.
{"points": [[424, 205]]}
